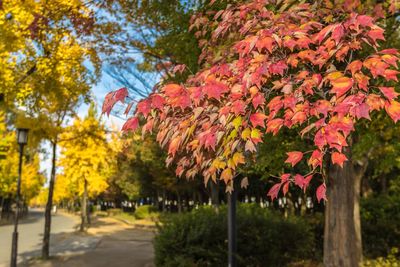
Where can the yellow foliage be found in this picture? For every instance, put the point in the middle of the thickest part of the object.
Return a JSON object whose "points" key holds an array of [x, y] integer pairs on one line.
{"points": [[31, 181], [41, 36], [87, 153]]}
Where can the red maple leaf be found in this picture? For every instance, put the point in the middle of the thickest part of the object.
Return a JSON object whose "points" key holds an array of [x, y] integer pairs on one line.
{"points": [[299, 180], [121, 94], [108, 104], [144, 107], [338, 33], [274, 125], [391, 75], [315, 159], [257, 119], [388, 92], [258, 100], [278, 68], [294, 157], [274, 191], [376, 34], [131, 124], [157, 101], [215, 89], [321, 192]]}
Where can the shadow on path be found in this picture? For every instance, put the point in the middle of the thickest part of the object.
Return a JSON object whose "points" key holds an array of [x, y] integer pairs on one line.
{"points": [[107, 243]]}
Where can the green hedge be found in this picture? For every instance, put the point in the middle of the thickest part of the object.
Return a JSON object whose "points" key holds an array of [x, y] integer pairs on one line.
{"points": [[380, 224], [145, 212], [264, 238]]}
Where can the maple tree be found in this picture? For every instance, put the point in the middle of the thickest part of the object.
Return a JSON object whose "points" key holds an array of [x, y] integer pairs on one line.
{"points": [[307, 72], [316, 68]]}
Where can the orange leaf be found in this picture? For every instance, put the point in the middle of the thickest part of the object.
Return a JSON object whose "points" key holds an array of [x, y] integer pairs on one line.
{"points": [[226, 175], [274, 125], [338, 158], [266, 42], [355, 66], [238, 158], [393, 109], [375, 102], [340, 86], [173, 146]]}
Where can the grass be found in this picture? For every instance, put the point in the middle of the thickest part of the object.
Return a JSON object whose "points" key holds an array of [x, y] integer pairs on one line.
{"points": [[125, 216]]}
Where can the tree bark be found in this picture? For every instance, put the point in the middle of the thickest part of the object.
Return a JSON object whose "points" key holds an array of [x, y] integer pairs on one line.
{"points": [[214, 195], [179, 200], [342, 236], [2, 209], [49, 204], [164, 198], [84, 208]]}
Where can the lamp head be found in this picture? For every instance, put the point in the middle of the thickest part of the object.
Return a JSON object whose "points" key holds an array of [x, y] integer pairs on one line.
{"points": [[22, 136]]}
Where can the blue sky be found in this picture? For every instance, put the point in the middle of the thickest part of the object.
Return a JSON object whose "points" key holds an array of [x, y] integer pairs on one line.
{"points": [[99, 91]]}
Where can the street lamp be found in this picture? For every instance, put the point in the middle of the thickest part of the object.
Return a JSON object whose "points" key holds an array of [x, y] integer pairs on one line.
{"points": [[232, 229], [22, 139]]}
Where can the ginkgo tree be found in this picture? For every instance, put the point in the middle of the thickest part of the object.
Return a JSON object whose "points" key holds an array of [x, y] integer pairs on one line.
{"points": [[32, 180], [267, 65], [86, 160]]}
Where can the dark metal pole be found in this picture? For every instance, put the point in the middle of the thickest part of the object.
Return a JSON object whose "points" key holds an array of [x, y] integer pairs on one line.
{"points": [[14, 252], [232, 229]]}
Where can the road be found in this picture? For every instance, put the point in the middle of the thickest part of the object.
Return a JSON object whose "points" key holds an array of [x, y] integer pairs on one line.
{"points": [[31, 234]]}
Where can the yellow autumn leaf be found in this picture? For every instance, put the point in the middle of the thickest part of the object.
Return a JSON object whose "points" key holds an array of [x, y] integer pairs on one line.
{"points": [[246, 133], [237, 122], [226, 175]]}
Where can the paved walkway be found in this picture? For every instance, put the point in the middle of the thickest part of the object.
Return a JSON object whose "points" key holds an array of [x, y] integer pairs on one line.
{"points": [[31, 234], [109, 243]]}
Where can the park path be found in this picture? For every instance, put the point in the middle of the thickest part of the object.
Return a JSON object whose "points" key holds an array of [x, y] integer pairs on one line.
{"points": [[31, 234], [108, 242]]}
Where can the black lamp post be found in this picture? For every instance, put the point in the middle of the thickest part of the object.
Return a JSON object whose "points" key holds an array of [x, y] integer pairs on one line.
{"points": [[22, 139], [232, 229]]}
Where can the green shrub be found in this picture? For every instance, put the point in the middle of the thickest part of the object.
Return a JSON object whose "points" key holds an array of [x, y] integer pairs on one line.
{"points": [[391, 261], [264, 238], [145, 212], [380, 225]]}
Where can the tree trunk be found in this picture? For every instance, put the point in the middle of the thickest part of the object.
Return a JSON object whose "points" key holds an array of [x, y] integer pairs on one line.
{"points": [[84, 208], [179, 200], [164, 198], [342, 236], [49, 204], [384, 187], [215, 195], [2, 209]]}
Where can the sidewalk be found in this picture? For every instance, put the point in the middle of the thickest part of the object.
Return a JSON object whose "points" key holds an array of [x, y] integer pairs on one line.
{"points": [[108, 242]]}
